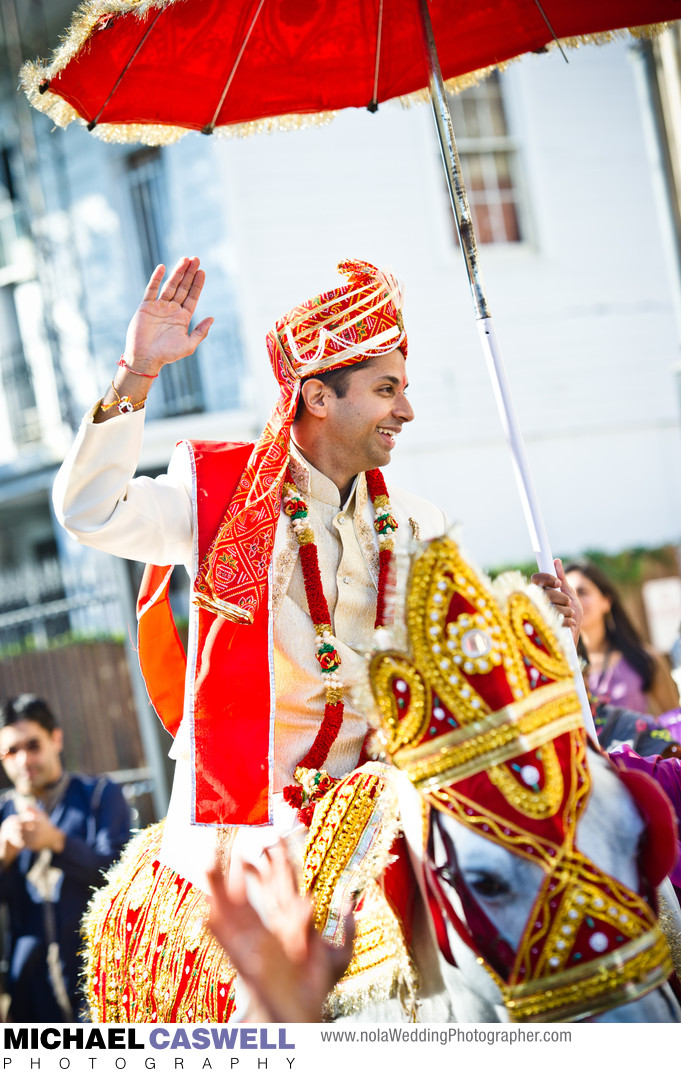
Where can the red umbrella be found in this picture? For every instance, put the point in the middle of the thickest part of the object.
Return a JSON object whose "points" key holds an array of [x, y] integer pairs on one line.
{"points": [[150, 70], [184, 65]]}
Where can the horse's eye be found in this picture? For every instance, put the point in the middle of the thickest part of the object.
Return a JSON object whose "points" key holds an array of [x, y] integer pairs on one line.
{"points": [[486, 885]]}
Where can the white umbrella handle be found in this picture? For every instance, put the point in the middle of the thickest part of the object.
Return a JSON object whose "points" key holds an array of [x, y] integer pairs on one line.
{"points": [[490, 346], [528, 495], [521, 465]]}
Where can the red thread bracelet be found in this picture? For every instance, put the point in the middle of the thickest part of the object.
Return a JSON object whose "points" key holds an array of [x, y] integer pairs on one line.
{"points": [[124, 365]]}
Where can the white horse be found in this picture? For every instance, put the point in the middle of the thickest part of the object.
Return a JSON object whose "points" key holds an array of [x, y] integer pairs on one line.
{"points": [[505, 887]]}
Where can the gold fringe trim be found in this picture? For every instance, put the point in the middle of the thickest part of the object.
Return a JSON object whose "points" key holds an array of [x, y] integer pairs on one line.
{"points": [[457, 84], [148, 954], [87, 16], [381, 968], [84, 23], [160, 135], [602, 37], [338, 861]]}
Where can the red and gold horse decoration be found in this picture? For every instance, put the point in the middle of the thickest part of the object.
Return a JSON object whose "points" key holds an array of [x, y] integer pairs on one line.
{"points": [[483, 717]]}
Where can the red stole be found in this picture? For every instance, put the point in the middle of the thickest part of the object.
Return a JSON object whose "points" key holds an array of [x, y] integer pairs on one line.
{"points": [[230, 680]]}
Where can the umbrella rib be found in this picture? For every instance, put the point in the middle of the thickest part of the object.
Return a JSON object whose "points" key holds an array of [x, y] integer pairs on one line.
{"points": [[93, 122], [210, 127], [373, 103], [551, 29]]}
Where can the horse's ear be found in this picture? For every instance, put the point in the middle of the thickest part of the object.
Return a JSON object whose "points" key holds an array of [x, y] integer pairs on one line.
{"points": [[659, 845], [403, 699]]}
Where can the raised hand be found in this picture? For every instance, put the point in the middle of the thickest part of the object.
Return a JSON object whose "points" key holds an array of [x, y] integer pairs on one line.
{"points": [[157, 335], [159, 331]]}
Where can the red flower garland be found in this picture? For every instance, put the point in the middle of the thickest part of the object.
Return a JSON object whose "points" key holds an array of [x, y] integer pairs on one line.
{"points": [[385, 525], [312, 781]]}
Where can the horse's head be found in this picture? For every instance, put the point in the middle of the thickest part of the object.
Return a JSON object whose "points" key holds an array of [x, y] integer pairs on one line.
{"points": [[483, 717]]}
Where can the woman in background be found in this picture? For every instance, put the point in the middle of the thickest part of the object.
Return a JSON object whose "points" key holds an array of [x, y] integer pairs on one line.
{"points": [[623, 672]]}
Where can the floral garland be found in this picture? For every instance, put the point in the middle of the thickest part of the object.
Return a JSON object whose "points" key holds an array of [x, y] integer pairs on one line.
{"points": [[312, 781]]}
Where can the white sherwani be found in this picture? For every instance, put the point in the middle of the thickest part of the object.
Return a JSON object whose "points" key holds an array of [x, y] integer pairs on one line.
{"points": [[101, 504]]}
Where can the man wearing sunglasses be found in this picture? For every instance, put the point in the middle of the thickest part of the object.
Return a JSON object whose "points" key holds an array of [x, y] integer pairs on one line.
{"points": [[58, 832]]}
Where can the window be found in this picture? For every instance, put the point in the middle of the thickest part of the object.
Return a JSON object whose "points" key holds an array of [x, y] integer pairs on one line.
{"points": [[149, 201], [488, 161], [20, 395], [13, 224], [15, 374], [181, 382], [7, 183]]}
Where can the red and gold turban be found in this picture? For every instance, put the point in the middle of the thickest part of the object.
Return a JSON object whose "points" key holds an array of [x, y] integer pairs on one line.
{"points": [[354, 323]]}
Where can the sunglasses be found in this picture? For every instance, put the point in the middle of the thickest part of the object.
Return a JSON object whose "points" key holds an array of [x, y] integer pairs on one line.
{"points": [[33, 745]]}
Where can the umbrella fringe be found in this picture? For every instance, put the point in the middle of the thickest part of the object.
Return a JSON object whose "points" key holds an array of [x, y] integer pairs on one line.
{"points": [[84, 22], [156, 134], [459, 83]]}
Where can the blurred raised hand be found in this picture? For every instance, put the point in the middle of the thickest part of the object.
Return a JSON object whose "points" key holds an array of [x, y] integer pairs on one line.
{"points": [[562, 596], [286, 965]]}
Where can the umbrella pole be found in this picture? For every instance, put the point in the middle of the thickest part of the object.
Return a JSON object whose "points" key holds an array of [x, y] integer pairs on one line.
{"points": [[490, 346]]}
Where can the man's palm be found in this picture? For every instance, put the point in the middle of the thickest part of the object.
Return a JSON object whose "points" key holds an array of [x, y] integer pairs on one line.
{"points": [[159, 331]]}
